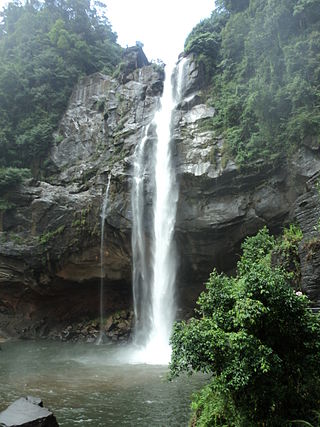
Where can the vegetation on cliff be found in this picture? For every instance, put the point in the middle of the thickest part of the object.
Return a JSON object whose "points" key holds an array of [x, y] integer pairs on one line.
{"points": [[262, 61], [255, 334], [44, 48]]}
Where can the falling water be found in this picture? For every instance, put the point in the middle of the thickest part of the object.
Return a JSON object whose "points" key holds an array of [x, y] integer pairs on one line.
{"points": [[159, 306], [140, 270], [102, 272]]}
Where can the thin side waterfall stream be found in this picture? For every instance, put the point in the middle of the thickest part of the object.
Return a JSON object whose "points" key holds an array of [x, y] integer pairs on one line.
{"points": [[154, 293], [102, 244]]}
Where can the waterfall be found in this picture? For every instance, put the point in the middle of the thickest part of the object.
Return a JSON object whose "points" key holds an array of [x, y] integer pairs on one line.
{"points": [[139, 256], [102, 272], [155, 306]]}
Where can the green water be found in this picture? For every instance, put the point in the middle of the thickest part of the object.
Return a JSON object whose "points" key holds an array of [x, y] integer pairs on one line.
{"points": [[85, 384]]}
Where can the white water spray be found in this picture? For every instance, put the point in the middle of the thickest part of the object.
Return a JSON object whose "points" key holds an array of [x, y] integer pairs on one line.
{"points": [[140, 269], [159, 288], [102, 272]]}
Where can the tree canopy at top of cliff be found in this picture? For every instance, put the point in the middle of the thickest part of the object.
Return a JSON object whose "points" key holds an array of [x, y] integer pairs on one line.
{"points": [[44, 48], [262, 61]]}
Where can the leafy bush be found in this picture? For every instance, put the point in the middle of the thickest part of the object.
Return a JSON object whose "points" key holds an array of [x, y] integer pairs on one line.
{"points": [[258, 339], [286, 253]]}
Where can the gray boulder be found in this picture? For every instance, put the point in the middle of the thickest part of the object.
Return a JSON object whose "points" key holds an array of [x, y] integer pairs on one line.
{"points": [[27, 412]]}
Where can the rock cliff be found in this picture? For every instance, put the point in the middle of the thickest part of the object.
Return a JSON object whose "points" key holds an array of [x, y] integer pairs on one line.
{"points": [[308, 217], [50, 239]]}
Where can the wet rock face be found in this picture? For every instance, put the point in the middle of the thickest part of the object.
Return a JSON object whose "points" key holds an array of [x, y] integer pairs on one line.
{"points": [[50, 242], [116, 327], [308, 216], [220, 205], [119, 325], [50, 265]]}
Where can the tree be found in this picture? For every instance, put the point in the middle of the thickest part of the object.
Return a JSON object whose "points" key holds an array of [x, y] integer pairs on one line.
{"points": [[258, 339], [263, 59], [44, 48]]}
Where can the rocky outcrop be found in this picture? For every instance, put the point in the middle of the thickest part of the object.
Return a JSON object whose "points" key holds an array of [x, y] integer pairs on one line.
{"points": [[27, 412], [219, 204], [118, 326], [308, 217], [50, 242], [133, 58]]}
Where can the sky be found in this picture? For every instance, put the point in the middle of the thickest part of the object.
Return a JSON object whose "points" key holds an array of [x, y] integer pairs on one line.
{"points": [[161, 25]]}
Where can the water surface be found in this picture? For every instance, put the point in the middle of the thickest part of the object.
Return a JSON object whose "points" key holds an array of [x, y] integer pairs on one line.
{"points": [[94, 385]]}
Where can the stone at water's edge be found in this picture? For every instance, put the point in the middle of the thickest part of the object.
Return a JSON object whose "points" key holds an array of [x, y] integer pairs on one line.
{"points": [[50, 242], [27, 412]]}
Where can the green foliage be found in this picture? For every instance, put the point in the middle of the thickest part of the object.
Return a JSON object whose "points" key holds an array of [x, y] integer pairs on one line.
{"points": [[205, 39], [264, 71], [286, 253], [256, 248], [81, 221], [45, 238], [258, 339], [44, 48], [205, 124], [5, 204], [12, 176], [236, 5]]}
